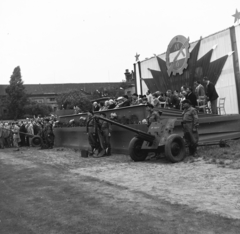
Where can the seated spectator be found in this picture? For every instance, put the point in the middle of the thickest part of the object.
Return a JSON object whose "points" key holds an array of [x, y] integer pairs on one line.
{"points": [[134, 101], [119, 101], [162, 97], [102, 108], [125, 102], [112, 105], [158, 93], [106, 105], [191, 97], [140, 97], [96, 107], [172, 100], [156, 102], [183, 88], [176, 93], [144, 100]]}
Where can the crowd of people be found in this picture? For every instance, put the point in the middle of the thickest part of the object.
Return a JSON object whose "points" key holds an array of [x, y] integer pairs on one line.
{"points": [[20, 133], [188, 100], [198, 96]]}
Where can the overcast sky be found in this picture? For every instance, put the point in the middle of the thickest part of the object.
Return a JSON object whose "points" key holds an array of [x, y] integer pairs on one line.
{"points": [[75, 41]]}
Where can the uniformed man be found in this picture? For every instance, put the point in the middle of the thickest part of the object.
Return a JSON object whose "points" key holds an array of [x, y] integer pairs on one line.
{"points": [[106, 130], [91, 132], [48, 135], [153, 114], [16, 136], [190, 126]]}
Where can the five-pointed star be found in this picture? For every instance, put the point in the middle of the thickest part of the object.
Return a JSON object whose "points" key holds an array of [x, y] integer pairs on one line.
{"points": [[236, 15], [137, 56]]}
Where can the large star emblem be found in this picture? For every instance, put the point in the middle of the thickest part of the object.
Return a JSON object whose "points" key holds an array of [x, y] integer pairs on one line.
{"points": [[237, 16]]}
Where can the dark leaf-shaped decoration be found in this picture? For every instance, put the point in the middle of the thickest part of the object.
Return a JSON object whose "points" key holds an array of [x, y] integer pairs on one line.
{"points": [[196, 70]]}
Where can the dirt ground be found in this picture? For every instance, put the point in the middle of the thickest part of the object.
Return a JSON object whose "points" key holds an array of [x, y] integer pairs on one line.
{"points": [[58, 191]]}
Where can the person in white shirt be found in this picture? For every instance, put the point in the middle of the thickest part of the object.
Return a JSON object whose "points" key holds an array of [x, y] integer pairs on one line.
{"points": [[149, 97]]}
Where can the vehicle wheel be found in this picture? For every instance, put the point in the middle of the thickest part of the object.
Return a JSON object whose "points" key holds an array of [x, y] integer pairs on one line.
{"points": [[135, 151], [175, 149], [36, 141]]}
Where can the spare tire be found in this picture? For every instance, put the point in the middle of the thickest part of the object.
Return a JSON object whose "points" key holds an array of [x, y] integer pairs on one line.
{"points": [[175, 149], [135, 151], [36, 141]]}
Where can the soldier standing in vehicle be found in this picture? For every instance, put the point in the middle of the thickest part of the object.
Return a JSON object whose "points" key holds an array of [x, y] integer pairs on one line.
{"points": [[190, 126], [153, 114]]}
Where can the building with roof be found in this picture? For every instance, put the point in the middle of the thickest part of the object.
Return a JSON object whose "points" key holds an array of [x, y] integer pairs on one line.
{"points": [[47, 93]]}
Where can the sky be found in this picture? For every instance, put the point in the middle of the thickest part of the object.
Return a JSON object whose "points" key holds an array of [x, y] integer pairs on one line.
{"points": [[75, 41]]}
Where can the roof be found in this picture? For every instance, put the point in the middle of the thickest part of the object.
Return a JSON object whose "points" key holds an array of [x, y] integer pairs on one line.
{"points": [[35, 89]]}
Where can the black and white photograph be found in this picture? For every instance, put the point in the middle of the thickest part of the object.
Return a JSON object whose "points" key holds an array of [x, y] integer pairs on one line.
{"points": [[119, 117]]}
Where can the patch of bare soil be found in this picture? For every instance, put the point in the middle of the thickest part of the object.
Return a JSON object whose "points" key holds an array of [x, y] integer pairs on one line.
{"points": [[228, 156], [116, 195]]}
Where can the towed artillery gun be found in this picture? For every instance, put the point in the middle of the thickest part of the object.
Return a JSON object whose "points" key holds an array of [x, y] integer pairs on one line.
{"points": [[36, 140], [158, 139]]}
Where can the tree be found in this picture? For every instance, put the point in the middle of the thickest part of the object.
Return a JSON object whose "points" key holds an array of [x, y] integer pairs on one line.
{"points": [[16, 95], [74, 98], [36, 109]]}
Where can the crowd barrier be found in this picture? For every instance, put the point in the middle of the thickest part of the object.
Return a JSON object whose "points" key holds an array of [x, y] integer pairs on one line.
{"points": [[76, 137], [210, 129]]}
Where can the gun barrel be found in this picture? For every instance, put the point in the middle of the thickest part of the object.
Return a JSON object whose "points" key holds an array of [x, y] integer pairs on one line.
{"points": [[28, 134], [143, 135]]}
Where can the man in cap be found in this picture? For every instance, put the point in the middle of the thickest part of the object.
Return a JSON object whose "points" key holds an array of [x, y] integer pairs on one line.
{"points": [[112, 105], [106, 130], [190, 126], [134, 101], [95, 106], [126, 101], [48, 135], [92, 132], [22, 135], [153, 115]]}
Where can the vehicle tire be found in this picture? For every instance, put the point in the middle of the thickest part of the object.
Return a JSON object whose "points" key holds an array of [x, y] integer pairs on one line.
{"points": [[36, 141], [135, 151], [175, 149]]}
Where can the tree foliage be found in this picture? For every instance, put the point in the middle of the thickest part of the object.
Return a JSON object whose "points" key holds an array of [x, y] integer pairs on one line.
{"points": [[16, 95], [74, 98], [36, 109]]}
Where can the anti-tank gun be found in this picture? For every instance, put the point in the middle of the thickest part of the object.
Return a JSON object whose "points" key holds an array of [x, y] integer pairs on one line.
{"points": [[158, 139], [36, 140]]}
